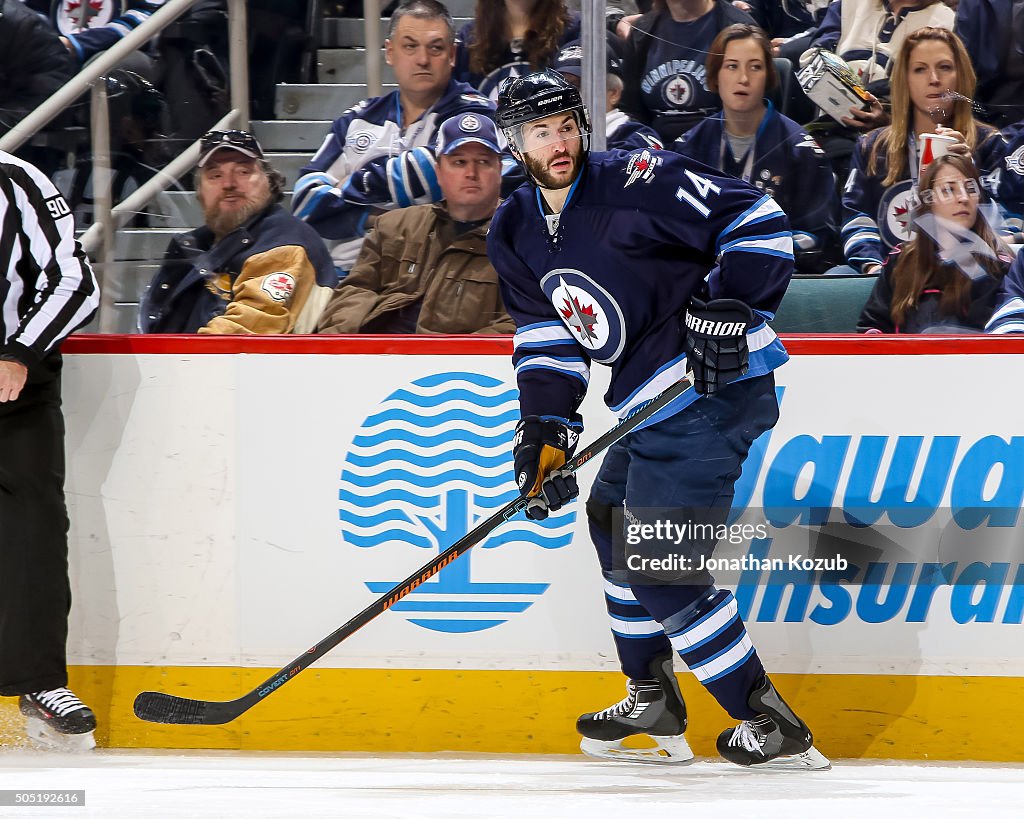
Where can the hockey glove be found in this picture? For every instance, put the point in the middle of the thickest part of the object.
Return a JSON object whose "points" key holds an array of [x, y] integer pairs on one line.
{"points": [[540, 450], [716, 342]]}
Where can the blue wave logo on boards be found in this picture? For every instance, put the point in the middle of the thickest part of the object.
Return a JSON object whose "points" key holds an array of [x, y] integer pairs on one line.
{"points": [[431, 463]]}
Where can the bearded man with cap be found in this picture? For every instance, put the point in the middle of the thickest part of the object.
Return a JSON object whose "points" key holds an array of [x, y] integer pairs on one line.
{"points": [[424, 269], [660, 268], [252, 267]]}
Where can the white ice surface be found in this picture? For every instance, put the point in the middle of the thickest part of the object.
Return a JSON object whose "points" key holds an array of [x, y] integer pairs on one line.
{"points": [[230, 784]]}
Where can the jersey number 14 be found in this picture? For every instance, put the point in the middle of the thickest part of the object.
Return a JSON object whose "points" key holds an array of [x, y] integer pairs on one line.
{"points": [[704, 186]]}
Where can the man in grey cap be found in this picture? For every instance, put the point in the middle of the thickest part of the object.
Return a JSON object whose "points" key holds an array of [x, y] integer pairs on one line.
{"points": [[424, 269], [621, 130]]}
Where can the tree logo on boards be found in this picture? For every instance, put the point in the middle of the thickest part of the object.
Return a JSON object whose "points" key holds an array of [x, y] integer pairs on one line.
{"points": [[428, 466]]}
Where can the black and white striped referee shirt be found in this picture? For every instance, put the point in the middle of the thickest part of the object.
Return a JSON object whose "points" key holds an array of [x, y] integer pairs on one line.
{"points": [[47, 288]]}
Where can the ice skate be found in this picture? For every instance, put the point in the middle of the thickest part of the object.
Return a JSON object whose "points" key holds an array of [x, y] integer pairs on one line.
{"points": [[776, 739], [57, 720], [653, 707]]}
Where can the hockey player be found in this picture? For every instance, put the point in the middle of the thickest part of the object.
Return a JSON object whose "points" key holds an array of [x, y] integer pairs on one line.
{"points": [[379, 154], [753, 141], [654, 265]]}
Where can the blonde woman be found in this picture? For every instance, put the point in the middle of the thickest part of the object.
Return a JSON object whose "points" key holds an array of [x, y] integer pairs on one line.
{"points": [[932, 86]]}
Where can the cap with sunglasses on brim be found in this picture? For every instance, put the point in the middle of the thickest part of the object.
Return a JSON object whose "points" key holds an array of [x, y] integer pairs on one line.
{"points": [[570, 60], [463, 128], [241, 141]]}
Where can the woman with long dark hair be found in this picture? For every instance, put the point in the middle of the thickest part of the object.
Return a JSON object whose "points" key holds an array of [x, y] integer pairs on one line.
{"points": [[948, 277], [512, 37]]}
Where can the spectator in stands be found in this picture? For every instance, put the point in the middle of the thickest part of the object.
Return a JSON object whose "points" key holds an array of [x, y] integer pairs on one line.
{"points": [[932, 81], [33, 63], [621, 130], [253, 267], [791, 24], [137, 149], [378, 154], [425, 269], [512, 37], [87, 28], [665, 82], [1009, 314], [866, 34], [947, 278], [749, 139], [993, 33]]}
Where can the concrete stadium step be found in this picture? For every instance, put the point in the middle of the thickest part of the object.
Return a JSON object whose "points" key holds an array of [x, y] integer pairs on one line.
{"points": [[290, 164], [347, 32], [347, 65], [316, 101], [142, 244], [292, 135]]}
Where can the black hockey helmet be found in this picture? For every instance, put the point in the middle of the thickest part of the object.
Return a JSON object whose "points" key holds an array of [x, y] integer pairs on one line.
{"points": [[534, 96]]}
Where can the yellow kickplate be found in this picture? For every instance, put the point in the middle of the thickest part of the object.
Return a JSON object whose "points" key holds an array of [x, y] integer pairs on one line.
{"points": [[388, 710]]}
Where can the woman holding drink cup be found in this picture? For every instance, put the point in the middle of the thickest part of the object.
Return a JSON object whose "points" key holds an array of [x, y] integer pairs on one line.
{"points": [[932, 84]]}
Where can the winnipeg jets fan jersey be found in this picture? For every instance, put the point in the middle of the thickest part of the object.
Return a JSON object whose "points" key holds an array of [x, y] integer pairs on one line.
{"points": [[876, 217], [607, 279], [785, 162], [371, 159]]}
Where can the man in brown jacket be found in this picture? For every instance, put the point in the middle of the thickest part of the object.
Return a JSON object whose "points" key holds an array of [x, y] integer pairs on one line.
{"points": [[424, 269]]}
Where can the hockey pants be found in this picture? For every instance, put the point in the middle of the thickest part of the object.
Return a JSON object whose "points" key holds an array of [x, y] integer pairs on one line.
{"points": [[688, 461]]}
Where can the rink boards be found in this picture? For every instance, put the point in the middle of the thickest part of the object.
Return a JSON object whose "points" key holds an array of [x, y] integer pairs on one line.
{"points": [[233, 501]]}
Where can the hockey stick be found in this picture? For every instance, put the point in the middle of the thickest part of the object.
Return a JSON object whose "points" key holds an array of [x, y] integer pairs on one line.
{"points": [[154, 706]]}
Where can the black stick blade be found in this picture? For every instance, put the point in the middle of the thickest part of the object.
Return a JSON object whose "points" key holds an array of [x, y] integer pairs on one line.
{"points": [[153, 706]]}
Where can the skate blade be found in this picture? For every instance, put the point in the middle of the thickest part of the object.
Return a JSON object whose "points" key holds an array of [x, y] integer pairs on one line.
{"points": [[667, 751], [44, 738], [810, 760]]}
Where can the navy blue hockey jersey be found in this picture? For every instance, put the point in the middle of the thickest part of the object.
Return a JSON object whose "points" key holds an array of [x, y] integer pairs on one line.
{"points": [[1009, 313], [624, 133], [371, 159], [92, 26], [607, 279], [876, 218], [786, 163]]}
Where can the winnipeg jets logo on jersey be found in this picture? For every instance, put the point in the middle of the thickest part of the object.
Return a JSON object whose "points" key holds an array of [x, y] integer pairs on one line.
{"points": [[678, 91], [641, 167], [679, 80], [894, 213], [1015, 162], [75, 16], [593, 317]]}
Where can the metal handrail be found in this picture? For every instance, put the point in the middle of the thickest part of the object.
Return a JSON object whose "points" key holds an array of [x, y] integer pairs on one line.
{"points": [[371, 34], [99, 239]]}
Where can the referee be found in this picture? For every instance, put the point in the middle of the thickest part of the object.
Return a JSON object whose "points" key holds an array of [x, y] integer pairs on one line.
{"points": [[47, 290]]}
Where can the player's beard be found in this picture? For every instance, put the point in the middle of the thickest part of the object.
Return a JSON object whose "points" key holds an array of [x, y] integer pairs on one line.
{"points": [[223, 222], [538, 170]]}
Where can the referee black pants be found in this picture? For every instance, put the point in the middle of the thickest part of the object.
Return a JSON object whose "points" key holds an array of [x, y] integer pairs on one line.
{"points": [[35, 593]]}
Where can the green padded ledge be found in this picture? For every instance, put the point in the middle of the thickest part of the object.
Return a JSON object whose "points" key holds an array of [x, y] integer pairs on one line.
{"points": [[823, 304]]}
